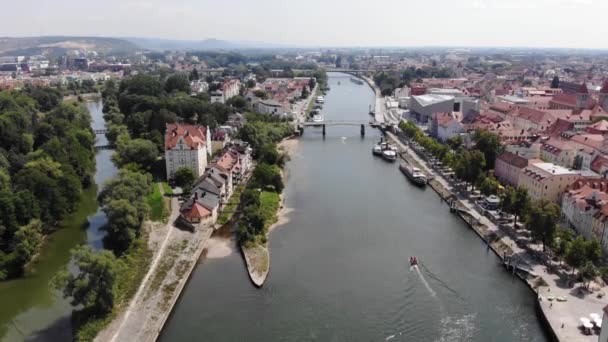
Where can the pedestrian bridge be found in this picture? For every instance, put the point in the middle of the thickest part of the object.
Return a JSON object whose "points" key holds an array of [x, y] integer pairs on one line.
{"points": [[337, 123]]}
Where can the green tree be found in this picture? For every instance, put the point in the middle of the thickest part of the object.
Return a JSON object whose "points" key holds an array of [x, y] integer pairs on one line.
{"points": [[520, 204], [593, 251], [561, 243], [194, 75], [489, 186], [94, 285], [542, 221], [576, 254], [555, 82], [141, 152], [177, 82], [250, 84], [489, 144], [123, 225], [455, 142], [266, 175], [588, 273], [27, 242], [184, 178]]}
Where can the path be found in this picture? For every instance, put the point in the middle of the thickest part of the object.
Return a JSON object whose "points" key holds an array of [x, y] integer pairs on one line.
{"points": [[173, 261], [558, 313]]}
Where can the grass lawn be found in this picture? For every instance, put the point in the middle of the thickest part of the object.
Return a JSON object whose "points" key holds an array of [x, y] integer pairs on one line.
{"points": [[269, 205], [229, 209], [155, 200], [167, 189]]}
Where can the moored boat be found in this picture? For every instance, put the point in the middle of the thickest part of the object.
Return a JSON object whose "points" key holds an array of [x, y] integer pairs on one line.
{"points": [[317, 118], [356, 80], [389, 155], [414, 174], [320, 99]]}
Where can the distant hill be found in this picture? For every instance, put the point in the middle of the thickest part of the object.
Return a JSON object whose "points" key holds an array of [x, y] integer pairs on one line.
{"points": [[58, 45], [205, 44]]}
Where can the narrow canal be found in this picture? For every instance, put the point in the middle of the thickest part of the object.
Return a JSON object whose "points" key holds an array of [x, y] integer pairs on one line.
{"points": [[339, 267], [30, 308]]}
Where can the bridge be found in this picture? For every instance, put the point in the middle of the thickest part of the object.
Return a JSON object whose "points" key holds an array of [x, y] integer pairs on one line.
{"points": [[349, 71], [326, 123]]}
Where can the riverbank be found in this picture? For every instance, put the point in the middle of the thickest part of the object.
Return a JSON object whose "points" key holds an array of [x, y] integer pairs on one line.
{"points": [[257, 256], [561, 319], [176, 253]]}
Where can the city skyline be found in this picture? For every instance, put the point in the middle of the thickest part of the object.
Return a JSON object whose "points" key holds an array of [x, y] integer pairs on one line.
{"points": [[471, 23]]}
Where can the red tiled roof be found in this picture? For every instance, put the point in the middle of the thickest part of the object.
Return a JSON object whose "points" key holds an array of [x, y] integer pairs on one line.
{"points": [[196, 211], [513, 159], [194, 136], [598, 127], [533, 115], [583, 89], [598, 162]]}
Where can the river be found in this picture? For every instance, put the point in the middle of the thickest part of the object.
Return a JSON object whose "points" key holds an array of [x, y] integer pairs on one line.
{"points": [[31, 309], [339, 267]]}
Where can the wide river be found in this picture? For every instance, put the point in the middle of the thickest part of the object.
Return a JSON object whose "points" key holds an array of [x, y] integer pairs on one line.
{"points": [[339, 266]]}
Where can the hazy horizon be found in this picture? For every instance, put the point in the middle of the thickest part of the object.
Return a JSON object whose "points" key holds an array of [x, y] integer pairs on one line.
{"points": [[574, 24]]}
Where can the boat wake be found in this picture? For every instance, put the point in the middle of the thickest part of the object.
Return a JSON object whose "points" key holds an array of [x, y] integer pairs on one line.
{"points": [[457, 328], [426, 284], [443, 283]]}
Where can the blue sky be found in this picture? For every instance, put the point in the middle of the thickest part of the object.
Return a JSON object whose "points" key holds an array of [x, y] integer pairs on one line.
{"points": [[535, 23]]}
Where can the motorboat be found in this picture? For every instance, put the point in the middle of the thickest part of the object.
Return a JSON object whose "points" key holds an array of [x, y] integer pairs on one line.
{"points": [[389, 155], [377, 150], [413, 261], [317, 118], [383, 146], [320, 99], [414, 174]]}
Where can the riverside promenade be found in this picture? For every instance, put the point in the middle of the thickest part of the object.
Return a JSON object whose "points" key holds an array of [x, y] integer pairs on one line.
{"points": [[562, 318], [177, 252]]}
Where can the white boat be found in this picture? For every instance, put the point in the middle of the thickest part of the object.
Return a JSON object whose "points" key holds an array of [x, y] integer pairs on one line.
{"points": [[317, 118], [389, 155], [320, 99], [414, 174], [377, 150]]}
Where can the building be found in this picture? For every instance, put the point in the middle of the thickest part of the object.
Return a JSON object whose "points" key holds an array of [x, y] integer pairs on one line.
{"points": [[424, 106], [580, 205], [547, 181], [509, 167], [577, 101], [186, 146], [445, 126], [227, 90], [269, 107]]}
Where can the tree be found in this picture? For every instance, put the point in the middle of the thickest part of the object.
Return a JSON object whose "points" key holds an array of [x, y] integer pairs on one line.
{"points": [[455, 142], [520, 204], [593, 251], [489, 144], [123, 225], [250, 83], [194, 75], [27, 242], [542, 221], [184, 178], [555, 82], [268, 154], [260, 94], [141, 152], [312, 83], [94, 285], [266, 175], [507, 199], [237, 102], [489, 186], [575, 256], [561, 243], [177, 82], [588, 272]]}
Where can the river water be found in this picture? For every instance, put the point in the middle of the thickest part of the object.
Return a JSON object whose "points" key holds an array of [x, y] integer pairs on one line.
{"points": [[339, 267], [30, 309]]}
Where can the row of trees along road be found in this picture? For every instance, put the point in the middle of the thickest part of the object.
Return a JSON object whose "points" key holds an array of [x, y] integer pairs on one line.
{"points": [[541, 217], [46, 159]]}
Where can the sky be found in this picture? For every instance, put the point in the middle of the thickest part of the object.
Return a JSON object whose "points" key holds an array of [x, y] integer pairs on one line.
{"points": [[476, 23]]}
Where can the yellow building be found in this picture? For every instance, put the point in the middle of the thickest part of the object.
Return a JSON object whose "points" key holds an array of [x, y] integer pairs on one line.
{"points": [[547, 181]]}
